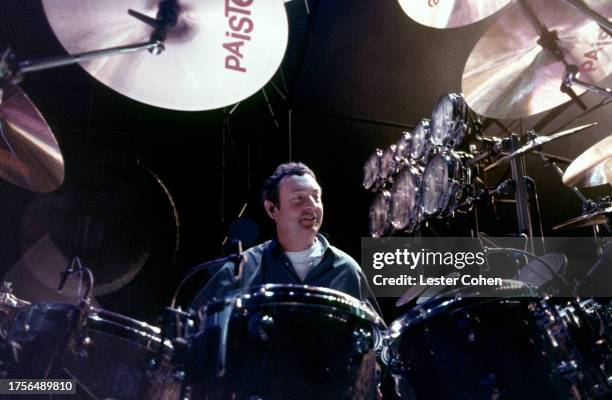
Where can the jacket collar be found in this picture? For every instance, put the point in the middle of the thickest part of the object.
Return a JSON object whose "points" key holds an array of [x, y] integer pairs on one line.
{"points": [[275, 246]]}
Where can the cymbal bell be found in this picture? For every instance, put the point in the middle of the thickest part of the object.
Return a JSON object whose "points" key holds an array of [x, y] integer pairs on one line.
{"points": [[450, 14], [510, 75], [219, 52], [537, 142], [591, 168], [30, 156]]}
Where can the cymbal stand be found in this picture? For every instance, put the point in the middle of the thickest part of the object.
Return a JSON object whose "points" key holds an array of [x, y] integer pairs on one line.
{"points": [[559, 171], [549, 40], [570, 77], [517, 166], [587, 204], [12, 70]]}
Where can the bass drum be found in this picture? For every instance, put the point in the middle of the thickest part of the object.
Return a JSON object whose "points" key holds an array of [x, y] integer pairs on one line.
{"points": [[108, 355], [465, 348], [289, 342]]}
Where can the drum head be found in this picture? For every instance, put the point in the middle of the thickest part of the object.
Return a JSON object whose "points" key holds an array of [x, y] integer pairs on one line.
{"points": [[404, 199], [294, 342], [482, 348], [420, 140]]}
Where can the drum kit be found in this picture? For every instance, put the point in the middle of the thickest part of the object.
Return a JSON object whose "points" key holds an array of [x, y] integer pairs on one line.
{"points": [[266, 342], [526, 62], [299, 342], [529, 60]]}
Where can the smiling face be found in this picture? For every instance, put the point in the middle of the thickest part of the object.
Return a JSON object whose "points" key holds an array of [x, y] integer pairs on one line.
{"points": [[299, 212]]}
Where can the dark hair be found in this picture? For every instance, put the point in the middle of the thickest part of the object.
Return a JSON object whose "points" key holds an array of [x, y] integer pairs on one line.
{"points": [[270, 186]]}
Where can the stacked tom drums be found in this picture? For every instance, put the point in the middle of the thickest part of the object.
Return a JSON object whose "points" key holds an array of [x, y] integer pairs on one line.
{"points": [[425, 174]]}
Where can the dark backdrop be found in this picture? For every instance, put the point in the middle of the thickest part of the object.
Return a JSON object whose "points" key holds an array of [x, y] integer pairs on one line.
{"points": [[355, 74]]}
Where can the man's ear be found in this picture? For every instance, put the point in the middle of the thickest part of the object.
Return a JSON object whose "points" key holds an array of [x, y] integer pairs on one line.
{"points": [[270, 208]]}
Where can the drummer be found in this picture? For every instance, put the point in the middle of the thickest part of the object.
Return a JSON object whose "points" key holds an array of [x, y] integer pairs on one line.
{"points": [[298, 254]]}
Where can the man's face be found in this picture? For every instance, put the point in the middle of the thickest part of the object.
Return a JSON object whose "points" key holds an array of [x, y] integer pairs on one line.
{"points": [[300, 207]]}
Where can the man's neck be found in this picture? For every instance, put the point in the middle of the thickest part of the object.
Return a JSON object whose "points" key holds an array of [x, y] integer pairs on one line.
{"points": [[296, 244]]}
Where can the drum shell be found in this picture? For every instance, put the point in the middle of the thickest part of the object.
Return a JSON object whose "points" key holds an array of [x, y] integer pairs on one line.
{"points": [[115, 359], [459, 177], [108, 354], [465, 126], [415, 214], [484, 348], [389, 164], [372, 170], [589, 322], [421, 147], [376, 214], [297, 342]]}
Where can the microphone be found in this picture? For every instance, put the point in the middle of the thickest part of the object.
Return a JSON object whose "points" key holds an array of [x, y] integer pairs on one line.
{"points": [[69, 270], [76, 266]]}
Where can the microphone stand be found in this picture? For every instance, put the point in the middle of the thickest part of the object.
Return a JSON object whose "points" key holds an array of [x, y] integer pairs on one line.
{"points": [[175, 329]]}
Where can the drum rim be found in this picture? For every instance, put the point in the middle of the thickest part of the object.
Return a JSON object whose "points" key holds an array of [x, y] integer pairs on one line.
{"points": [[437, 305], [108, 322], [460, 126], [456, 114], [406, 140], [386, 196], [387, 174], [453, 165], [414, 213], [423, 155], [375, 157], [134, 331], [341, 301]]}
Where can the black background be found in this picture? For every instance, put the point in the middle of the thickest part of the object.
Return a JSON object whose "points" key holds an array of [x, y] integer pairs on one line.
{"points": [[355, 73]]}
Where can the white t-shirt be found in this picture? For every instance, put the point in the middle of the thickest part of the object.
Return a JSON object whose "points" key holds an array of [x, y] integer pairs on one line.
{"points": [[303, 261]]}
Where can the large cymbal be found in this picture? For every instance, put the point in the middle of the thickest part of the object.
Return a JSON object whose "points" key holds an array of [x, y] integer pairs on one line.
{"points": [[195, 72], [591, 168], [536, 143], [450, 13], [29, 154], [509, 75]]}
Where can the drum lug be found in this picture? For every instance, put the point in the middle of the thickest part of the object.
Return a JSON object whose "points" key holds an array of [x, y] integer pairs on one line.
{"points": [[81, 349], [569, 371], [361, 341], [179, 376], [397, 366], [469, 327], [260, 326], [151, 367]]}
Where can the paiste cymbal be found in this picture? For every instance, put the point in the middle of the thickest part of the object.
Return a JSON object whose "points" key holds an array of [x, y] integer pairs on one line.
{"points": [[29, 154], [220, 52], [509, 75], [450, 13], [537, 142], [591, 168]]}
